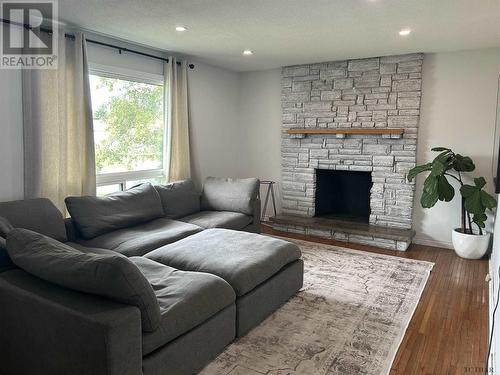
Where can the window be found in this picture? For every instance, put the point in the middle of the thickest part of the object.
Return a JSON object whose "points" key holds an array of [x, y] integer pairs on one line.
{"points": [[129, 128]]}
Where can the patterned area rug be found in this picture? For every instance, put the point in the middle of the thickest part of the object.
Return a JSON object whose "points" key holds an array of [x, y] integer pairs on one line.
{"points": [[349, 318]]}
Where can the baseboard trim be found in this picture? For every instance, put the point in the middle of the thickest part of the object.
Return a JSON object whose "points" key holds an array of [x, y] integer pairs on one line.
{"points": [[435, 243]]}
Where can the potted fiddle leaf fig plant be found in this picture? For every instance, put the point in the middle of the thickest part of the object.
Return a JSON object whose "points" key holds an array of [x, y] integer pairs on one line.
{"points": [[470, 240]]}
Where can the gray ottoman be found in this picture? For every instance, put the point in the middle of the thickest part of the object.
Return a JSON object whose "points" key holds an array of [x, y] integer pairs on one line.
{"points": [[263, 271]]}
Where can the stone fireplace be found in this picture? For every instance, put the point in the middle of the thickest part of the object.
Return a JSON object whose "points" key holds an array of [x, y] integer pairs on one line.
{"points": [[347, 111]]}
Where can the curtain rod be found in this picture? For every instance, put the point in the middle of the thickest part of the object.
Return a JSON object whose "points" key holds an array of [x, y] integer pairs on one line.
{"points": [[120, 49]]}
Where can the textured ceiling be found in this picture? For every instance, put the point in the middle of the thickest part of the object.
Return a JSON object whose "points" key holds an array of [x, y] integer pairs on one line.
{"points": [[287, 32]]}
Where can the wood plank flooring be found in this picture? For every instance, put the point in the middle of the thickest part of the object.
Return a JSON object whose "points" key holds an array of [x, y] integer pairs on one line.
{"points": [[448, 333]]}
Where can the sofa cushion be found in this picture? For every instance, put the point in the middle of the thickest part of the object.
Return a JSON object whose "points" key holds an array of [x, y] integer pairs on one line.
{"points": [[186, 300], [228, 194], [142, 238], [39, 215], [219, 219], [243, 259], [94, 216], [179, 198], [108, 275]]}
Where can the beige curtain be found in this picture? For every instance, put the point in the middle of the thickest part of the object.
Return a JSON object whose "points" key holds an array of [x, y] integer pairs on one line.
{"points": [[178, 162], [59, 156]]}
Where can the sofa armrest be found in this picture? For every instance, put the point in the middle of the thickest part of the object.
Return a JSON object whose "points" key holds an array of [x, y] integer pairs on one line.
{"points": [[46, 329]]}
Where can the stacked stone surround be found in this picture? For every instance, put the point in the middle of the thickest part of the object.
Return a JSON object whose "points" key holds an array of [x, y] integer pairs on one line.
{"points": [[382, 92]]}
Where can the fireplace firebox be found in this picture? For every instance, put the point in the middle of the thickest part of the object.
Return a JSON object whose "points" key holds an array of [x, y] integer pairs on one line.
{"points": [[343, 195]]}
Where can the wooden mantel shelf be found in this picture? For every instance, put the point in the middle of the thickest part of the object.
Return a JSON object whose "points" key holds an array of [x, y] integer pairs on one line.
{"points": [[391, 132]]}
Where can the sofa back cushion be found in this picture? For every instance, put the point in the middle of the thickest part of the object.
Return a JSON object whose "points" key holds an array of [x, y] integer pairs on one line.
{"points": [[179, 198], [94, 216], [228, 194], [109, 275], [39, 215]]}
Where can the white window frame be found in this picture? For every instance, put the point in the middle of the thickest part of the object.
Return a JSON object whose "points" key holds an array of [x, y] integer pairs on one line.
{"points": [[121, 178]]}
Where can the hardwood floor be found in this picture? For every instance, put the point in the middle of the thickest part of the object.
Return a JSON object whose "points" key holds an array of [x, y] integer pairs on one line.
{"points": [[448, 333]]}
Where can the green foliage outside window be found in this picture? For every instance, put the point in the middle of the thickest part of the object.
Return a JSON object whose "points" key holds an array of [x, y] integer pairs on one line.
{"points": [[132, 115]]}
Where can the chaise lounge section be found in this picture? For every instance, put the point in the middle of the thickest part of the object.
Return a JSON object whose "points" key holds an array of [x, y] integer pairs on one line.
{"points": [[263, 271]]}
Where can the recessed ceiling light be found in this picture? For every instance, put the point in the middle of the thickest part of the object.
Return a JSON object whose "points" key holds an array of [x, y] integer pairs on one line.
{"points": [[405, 32], [248, 52], [180, 28]]}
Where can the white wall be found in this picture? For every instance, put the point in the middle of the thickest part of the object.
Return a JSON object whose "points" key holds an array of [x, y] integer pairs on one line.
{"points": [[458, 110], [214, 124], [260, 120]]}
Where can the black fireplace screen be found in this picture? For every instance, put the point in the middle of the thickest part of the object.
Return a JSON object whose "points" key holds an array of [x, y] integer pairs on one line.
{"points": [[343, 195]]}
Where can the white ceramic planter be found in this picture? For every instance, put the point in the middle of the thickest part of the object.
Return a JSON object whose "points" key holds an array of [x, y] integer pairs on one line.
{"points": [[470, 246]]}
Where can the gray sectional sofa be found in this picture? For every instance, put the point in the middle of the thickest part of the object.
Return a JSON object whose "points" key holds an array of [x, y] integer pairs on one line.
{"points": [[154, 280]]}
